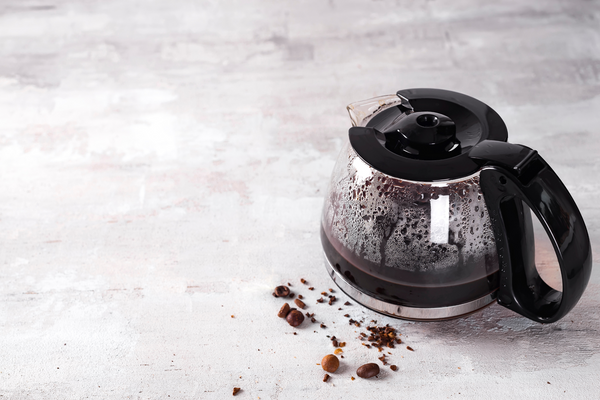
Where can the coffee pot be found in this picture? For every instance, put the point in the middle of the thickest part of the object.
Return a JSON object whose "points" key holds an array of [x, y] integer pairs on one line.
{"points": [[428, 215]]}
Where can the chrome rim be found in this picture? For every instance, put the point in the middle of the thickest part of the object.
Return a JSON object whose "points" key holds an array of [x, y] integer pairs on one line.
{"points": [[411, 313]]}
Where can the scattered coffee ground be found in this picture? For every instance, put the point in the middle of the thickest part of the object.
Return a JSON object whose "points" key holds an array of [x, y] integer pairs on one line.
{"points": [[281, 291], [381, 336], [236, 390], [311, 316], [283, 312], [330, 363], [300, 303], [294, 318], [368, 370], [378, 337], [353, 322]]}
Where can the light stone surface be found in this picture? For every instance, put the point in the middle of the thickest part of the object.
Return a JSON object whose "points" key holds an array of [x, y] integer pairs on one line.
{"points": [[163, 166]]}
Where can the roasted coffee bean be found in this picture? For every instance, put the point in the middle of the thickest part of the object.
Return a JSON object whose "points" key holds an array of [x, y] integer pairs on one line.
{"points": [[368, 370], [330, 363], [300, 296], [300, 303], [294, 318], [303, 280], [236, 390], [291, 296], [283, 312], [334, 343], [393, 368], [325, 377], [281, 291]]}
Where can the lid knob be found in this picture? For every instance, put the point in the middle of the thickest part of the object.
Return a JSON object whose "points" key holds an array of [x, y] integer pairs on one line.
{"points": [[424, 135]]}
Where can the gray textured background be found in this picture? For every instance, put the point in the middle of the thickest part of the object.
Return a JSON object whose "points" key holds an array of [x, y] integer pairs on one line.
{"points": [[163, 164]]}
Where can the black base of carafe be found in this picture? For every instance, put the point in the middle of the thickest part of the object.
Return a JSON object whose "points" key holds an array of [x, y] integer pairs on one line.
{"points": [[404, 312]]}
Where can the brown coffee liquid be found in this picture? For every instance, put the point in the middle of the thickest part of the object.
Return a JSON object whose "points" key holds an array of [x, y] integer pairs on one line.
{"points": [[428, 289]]}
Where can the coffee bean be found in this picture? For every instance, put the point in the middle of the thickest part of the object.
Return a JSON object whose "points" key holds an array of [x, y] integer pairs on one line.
{"points": [[368, 370], [281, 291], [294, 318], [393, 367], [325, 377], [283, 312], [300, 303], [330, 363]]}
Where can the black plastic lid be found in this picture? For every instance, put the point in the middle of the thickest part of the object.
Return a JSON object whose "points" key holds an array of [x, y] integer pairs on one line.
{"points": [[429, 137]]}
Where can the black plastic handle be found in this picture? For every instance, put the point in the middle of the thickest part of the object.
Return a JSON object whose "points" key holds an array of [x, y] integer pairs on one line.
{"points": [[514, 175]]}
